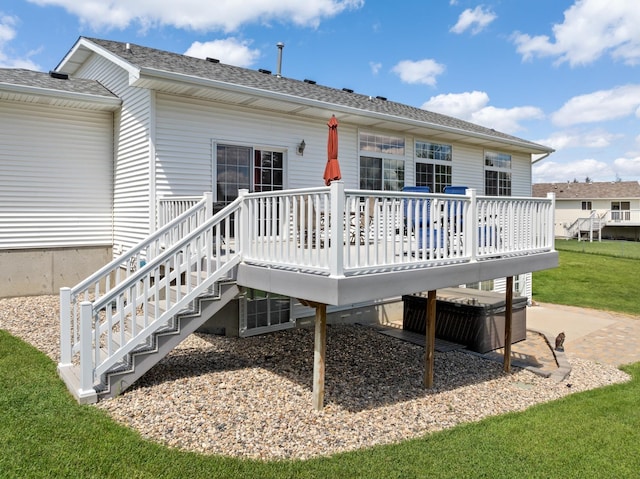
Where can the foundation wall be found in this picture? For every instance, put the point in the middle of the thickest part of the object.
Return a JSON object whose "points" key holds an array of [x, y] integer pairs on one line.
{"points": [[35, 272]]}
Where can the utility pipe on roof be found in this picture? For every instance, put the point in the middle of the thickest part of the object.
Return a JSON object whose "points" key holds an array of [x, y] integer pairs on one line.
{"points": [[280, 46]]}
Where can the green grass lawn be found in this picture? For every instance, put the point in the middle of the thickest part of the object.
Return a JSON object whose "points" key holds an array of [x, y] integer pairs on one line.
{"points": [[618, 249], [594, 434], [45, 433], [604, 276]]}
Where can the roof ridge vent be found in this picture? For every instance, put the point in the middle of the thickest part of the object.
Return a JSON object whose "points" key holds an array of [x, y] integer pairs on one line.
{"points": [[310, 82], [212, 60], [266, 72], [383, 98], [58, 75], [348, 90]]}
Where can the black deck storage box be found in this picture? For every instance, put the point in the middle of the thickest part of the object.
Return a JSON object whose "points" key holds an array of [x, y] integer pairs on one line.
{"points": [[468, 316]]}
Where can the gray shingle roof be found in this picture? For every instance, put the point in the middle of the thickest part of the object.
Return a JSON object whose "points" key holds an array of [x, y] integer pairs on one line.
{"points": [[145, 57], [30, 78], [620, 189]]}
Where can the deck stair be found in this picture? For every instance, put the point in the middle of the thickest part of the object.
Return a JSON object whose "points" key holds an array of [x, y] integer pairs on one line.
{"points": [[126, 317], [143, 358], [587, 227]]}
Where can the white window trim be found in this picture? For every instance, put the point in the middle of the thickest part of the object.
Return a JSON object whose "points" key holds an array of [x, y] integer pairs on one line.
{"points": [[278, 149], [499, 169], [382, 156]]}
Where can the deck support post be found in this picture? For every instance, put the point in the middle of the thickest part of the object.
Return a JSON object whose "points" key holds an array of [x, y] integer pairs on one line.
{"points": [[508, 316], [430, 339], [319, 352]]}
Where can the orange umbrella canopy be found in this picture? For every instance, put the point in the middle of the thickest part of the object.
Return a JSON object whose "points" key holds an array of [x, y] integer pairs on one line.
{"points": [[332, 169]]}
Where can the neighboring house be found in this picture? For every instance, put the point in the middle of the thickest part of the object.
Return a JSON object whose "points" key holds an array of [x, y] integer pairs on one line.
{"points": [[105, 159], [595, 210]]}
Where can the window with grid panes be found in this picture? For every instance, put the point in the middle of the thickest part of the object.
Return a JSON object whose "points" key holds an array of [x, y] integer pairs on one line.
{"points": [[268, 170], [381, 162], [265, 309], [233, 164], [497, 174], [436, 172], [433, 175]]}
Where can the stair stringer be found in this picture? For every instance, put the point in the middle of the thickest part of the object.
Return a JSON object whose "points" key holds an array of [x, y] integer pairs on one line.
{"points": [[164, 341]]}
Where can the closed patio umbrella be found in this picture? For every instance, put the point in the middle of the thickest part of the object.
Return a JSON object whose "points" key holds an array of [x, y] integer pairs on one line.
{"points": [[332, 169]]}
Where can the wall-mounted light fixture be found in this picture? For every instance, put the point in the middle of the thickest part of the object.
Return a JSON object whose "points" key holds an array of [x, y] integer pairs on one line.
{"points": [[301, 147]]}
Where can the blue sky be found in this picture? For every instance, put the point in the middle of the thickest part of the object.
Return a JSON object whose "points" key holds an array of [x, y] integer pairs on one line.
{"points": [[564, 73]]}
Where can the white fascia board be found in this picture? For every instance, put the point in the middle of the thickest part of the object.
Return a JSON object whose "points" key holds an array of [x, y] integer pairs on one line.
{"points": [[204, 82], [134, 72], [113, 102]]}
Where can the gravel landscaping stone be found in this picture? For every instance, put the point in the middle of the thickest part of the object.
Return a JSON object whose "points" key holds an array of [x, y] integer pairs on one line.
{"points": [[251, 397]]}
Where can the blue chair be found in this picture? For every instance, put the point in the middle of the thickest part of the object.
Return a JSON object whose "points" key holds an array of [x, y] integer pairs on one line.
{"points": [[455, 190], [409, 207], [411, 204]]}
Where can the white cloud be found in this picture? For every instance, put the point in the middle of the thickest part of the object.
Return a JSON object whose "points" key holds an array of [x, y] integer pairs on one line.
{"points": [[575, 139], [421, 71], [554, 172], [229, 50], [627, 167], [473, 106], [459, 105], [476, 20], [8, 59], [375, 67], [7, 30], [591, 28], [226, 15], [602, 105], [506, 120]]}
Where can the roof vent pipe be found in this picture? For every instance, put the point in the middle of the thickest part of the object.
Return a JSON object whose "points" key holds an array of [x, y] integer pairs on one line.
{"points": [[280, 46]]}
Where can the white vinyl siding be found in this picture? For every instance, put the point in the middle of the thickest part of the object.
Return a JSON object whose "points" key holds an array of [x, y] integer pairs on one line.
{"points": [[187, 130], [467, 167], [55, 176], [500, 285], [131, 212], [520, 174]]}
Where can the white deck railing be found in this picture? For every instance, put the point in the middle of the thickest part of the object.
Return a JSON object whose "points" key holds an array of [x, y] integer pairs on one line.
{"points": [[119, 271], [622, 217], [109, 327], [328, 231], [341, 232]]}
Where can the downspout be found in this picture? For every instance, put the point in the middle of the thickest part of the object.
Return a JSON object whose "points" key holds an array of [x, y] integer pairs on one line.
{"points": [[153, 194]]}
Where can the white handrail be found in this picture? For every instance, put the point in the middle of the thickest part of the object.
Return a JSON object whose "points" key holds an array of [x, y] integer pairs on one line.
{"points": [[125, 317], [171, 207], [365, 231], [119, 269]]}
